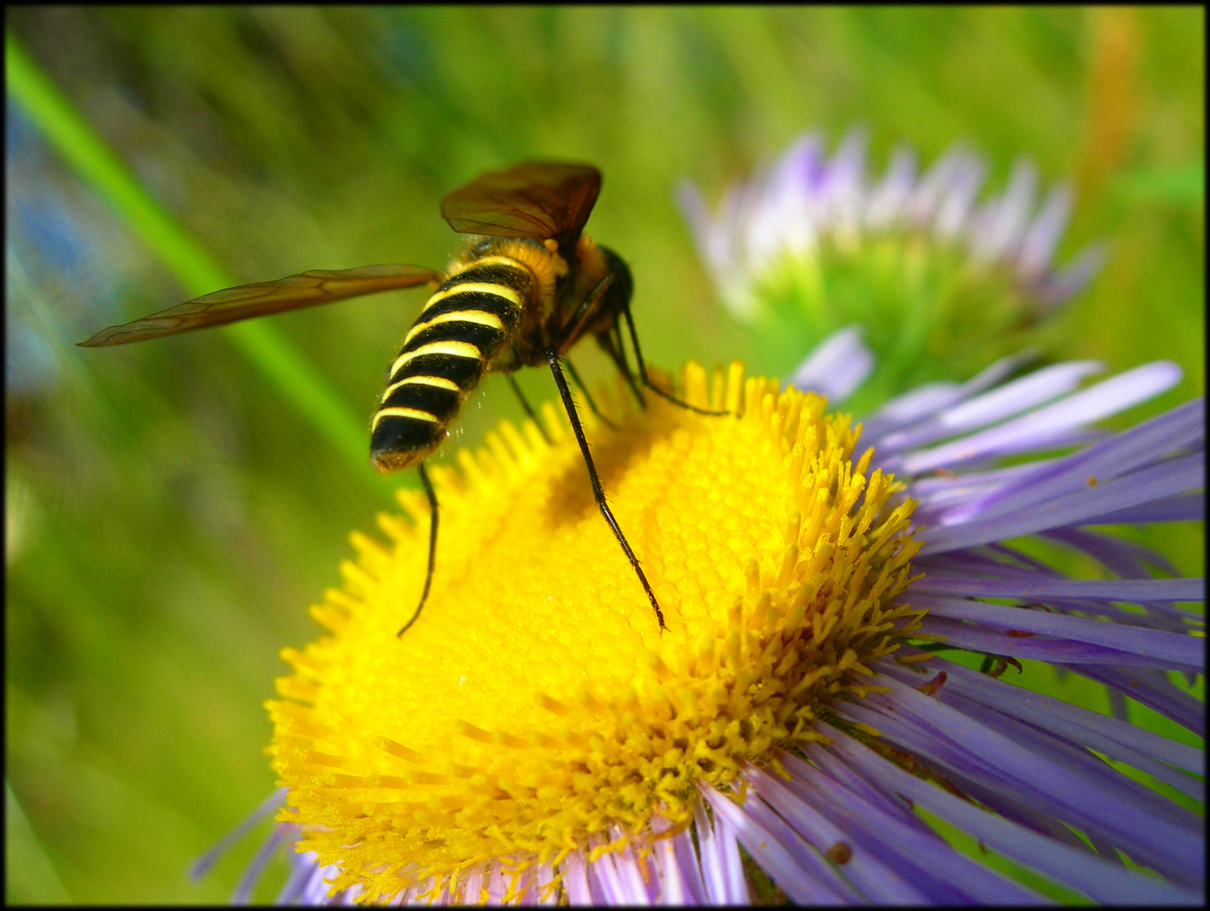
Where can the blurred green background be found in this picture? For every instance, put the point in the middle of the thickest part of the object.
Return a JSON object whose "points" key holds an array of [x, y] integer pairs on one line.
{"points": [[170, 515]]}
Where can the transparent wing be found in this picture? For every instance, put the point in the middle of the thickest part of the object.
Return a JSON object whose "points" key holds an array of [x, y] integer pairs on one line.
{"points": [[535, 200], [308, 289]]}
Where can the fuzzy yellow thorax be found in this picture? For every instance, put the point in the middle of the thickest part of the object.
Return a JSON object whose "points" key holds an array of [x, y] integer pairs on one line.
{"points": [[536, 704]]}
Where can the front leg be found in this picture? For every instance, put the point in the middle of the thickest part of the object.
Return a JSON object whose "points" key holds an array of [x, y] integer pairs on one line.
{"points": [[598, 492]]}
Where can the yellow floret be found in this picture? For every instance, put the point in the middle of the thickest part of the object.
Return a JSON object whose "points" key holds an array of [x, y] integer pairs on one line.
{"points": [[536, 703]]}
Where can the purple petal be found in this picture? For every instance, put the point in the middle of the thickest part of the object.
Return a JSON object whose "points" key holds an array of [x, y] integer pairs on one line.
{"points": [[1057, 288], [932, 184], [844, 183], [941, 497], [1154, 831], [1100, 880], [1130, 449], [987, 562], [932, 397], [1189, 507], [960, 767], [1014, 397], [299, 888], [1159, 695], [575, 881], [836, 367], [1070, 720], [472, 884], [1121, 557], [1043, 235], [527, 887], [1005, 401], [942, 488], [1034, 820], [1089, 767], [1072, 771], [861, 800], [678, 867], [256, 868], [1156, 615], [605, 884], [884, 872], [545, 876], [877, 882], [1008, 215], [957, 198], [1136, 591], [315, 887], [1117, 739], [1085, 507], [968, 573], [1054, 651], [722, 869], [845, 173], [911, 406], [909, 854], [789, 861], [270, 804], [621, 877], [785, 214], [887, 201], [497, 884], [996, 371], [1048, 423]]}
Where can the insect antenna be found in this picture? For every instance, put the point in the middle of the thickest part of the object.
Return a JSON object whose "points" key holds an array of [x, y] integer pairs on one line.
{"points": [[597, 491], [645, 380], [617, 352], [428, 577]]}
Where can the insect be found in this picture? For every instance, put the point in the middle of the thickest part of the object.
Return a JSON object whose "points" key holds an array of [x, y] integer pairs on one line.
{"points": [[525, 288]]}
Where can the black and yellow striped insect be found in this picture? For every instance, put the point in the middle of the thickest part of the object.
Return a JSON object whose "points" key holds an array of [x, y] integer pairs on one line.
{"points": [[527, 287]]}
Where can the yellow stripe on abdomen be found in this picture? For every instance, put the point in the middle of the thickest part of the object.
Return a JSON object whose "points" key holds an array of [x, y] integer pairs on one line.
{"points": [[498, 290], [414, 413], [439, 381], [482, 317], [456, 349], [506, 261]]}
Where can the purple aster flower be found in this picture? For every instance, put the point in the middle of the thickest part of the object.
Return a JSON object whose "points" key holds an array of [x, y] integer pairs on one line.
{"points": [[887, 724], [935, 273]]}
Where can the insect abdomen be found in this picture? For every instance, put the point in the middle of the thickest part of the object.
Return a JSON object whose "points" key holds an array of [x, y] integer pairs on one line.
{"points": [[462, 329]]}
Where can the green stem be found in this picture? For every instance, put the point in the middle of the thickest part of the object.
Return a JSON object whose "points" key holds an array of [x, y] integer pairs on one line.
{"points": [[265, 348]]}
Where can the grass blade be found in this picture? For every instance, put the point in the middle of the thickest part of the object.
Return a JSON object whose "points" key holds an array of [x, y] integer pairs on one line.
{"points": [[267, 350]]}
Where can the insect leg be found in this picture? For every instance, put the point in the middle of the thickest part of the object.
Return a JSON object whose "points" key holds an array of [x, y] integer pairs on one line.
{"points": [[572, 328], [428, 577], [617, 352], [597, 491], [528, 410], [638, 355], [592, 406]]}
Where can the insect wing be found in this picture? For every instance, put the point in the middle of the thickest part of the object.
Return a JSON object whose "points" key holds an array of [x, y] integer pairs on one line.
{"points": [[308, 289], [535, 200]]}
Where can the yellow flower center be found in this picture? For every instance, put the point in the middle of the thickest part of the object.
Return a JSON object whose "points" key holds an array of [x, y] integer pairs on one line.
{"points": [[536, 703]]}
